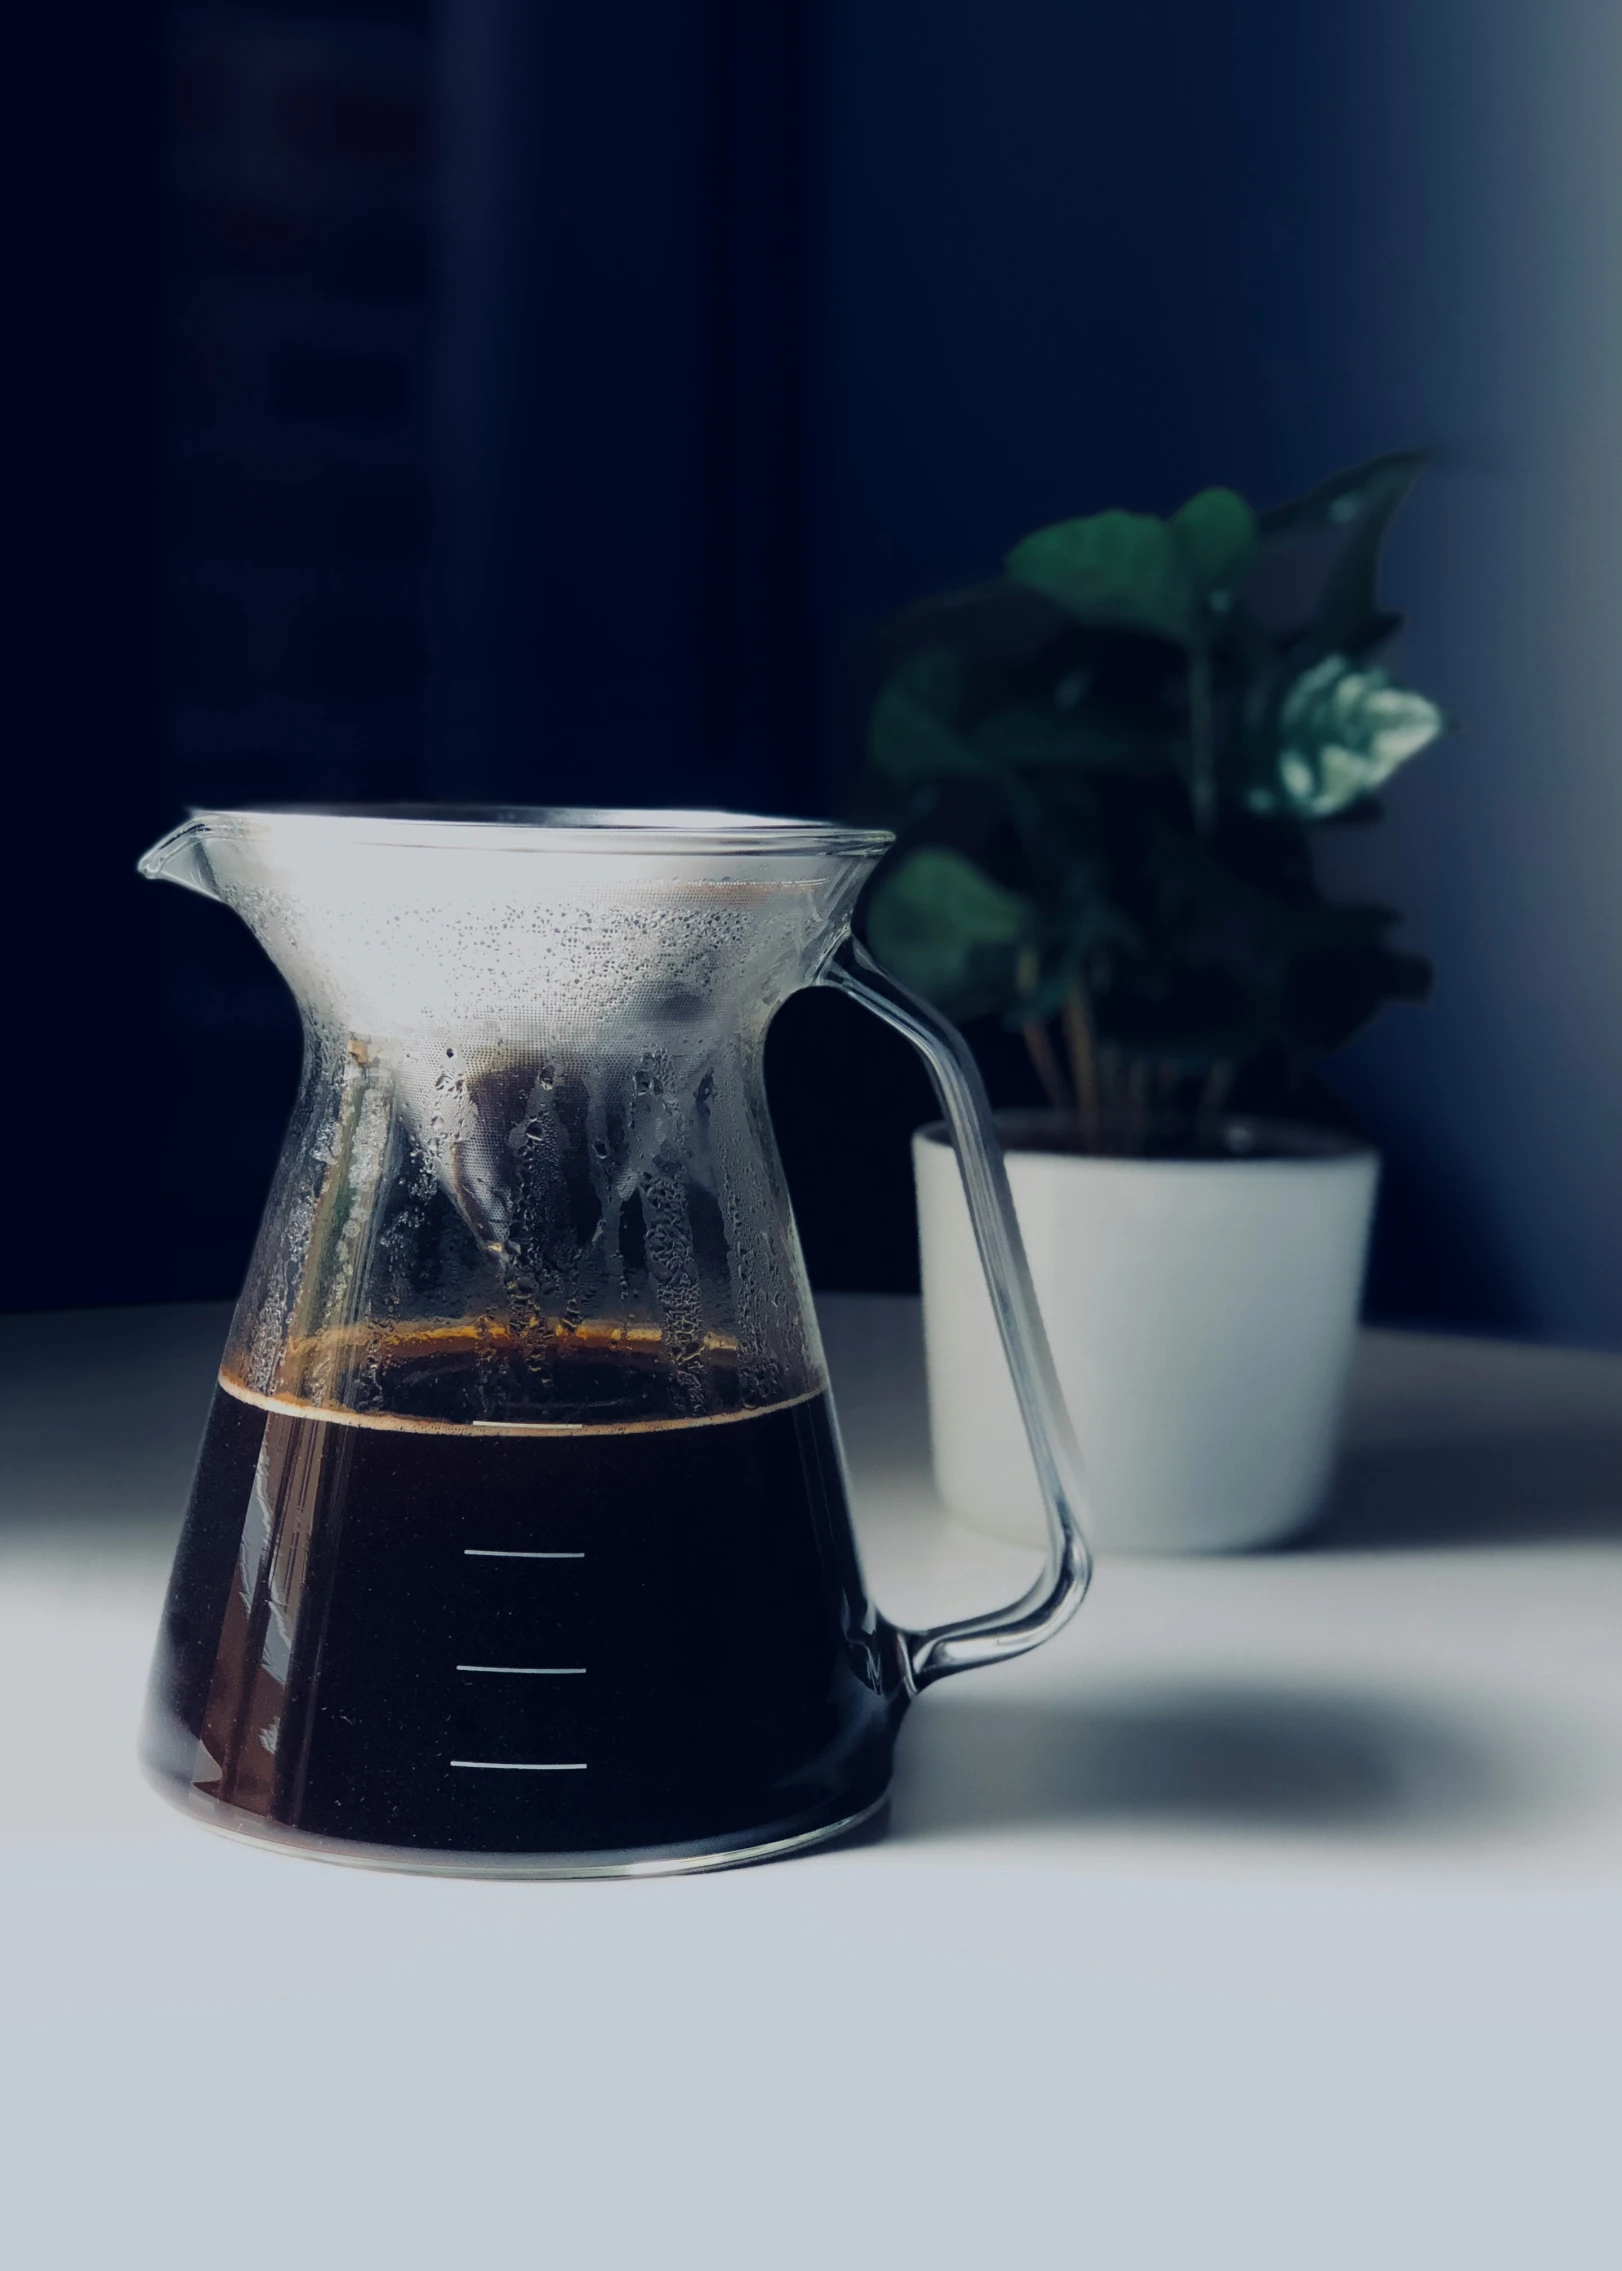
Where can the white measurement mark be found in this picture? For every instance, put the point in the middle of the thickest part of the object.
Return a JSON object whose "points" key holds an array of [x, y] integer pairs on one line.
{"points": [[531, 1671], [524, 1765], [502, 1553]]}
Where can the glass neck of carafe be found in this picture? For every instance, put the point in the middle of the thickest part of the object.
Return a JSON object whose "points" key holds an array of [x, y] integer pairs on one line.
{"points": [[531, 1179]]}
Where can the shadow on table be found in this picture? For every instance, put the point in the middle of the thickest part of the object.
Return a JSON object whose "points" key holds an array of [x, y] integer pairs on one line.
{"points": [[1217, 1757], [1547, 1484]]}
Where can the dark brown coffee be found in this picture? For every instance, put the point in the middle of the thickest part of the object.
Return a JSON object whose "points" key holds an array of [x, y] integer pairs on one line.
{"points": [[450, 1638]]}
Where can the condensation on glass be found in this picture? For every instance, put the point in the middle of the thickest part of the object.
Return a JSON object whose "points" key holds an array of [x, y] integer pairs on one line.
{"points": [[519, 1540]]}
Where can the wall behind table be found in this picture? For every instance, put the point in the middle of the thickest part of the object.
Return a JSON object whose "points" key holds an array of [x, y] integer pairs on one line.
{"points": [[1486, 290], [1086, 256], [79, 779], [719, 332]]}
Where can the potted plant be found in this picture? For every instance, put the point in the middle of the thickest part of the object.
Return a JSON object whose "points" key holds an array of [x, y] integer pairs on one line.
{"points": [[1105, 770]]}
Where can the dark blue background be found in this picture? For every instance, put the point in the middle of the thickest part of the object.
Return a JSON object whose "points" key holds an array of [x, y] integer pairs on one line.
{"points": [[629, 363]]}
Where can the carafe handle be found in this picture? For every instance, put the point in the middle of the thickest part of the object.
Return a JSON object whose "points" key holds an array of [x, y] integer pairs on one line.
{"points": [[1057, 1593]]}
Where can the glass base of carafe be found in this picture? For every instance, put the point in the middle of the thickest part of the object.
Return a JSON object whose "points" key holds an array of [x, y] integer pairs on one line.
{"points": [[772, 1842]]}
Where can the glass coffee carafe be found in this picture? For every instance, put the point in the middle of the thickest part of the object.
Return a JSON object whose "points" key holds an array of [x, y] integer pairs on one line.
{"points": [[519, 1539]]}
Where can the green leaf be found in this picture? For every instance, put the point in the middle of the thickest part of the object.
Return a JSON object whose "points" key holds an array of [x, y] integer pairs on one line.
{"points": [[1342, 496], [1342, 733], [1357, 505], [1114, 571], [911, 736], [1083, 937], [1039, 739], [1217, 531], [946, 929], [1333, 989]]}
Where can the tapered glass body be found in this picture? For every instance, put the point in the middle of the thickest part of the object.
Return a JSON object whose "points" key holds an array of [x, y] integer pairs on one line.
{"points": [[519, 1539]]}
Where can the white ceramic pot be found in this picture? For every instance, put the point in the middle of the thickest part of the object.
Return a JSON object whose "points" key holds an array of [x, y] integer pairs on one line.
{"points": [[1201, 1313]]}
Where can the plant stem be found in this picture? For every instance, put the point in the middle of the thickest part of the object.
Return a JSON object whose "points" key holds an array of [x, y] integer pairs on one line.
{"points": [[1039, 1042], [1202, 739], [1083, 1051]]}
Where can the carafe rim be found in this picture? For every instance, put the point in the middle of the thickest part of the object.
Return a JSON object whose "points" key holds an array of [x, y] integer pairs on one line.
{"points": [[532, 829]]}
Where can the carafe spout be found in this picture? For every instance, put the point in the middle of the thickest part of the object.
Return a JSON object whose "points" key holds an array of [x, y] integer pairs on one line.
{"points": [[182, 857]]}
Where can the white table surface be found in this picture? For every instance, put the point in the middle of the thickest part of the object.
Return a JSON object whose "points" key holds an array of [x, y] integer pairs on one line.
{"points": [[1270, 1917]]}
